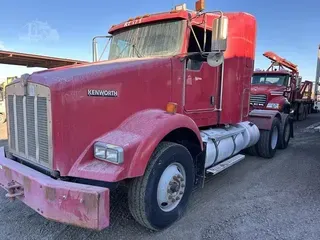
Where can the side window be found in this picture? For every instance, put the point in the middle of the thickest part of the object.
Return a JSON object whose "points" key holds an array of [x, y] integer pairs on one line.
{"points": [[195, 61], [286, 81]]}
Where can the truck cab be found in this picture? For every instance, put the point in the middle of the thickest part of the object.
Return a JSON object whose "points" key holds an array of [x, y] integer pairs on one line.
{"points": [[269, 90], [280, 88]]}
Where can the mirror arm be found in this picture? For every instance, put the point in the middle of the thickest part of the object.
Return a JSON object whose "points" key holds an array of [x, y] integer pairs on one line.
{"points": [[195, 37], [205, 32], [94, 46]]}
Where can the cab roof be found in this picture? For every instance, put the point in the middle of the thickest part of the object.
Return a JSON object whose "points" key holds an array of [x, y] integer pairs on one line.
{"points": [[174, 14]]}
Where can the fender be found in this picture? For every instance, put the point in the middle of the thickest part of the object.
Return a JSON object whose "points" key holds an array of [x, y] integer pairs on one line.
{"points": [[138, 135], [282, 101], [264, 118]]}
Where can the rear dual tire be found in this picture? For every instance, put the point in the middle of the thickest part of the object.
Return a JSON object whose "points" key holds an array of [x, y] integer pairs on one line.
{"points": [[302, 115], [285, 134], [266, 147]]}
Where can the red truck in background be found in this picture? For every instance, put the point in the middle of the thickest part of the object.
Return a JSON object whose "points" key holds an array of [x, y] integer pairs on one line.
{"points": [[157, 116], [280, 88]]}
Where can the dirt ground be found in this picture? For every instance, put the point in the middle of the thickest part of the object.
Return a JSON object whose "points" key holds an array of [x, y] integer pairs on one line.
{"points": [[255, 199]]}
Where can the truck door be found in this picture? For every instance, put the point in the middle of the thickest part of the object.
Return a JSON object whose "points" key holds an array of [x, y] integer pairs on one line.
{"points": [[201, 87]]}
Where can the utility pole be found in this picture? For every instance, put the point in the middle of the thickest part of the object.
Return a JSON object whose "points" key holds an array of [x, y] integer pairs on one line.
{"points": [[317, 82]]}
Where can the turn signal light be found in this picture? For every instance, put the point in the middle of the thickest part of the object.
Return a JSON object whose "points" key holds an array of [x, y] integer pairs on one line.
{"points": [[171, 107], [200, 5]]}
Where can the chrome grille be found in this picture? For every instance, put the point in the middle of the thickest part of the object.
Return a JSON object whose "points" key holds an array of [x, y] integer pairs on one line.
{"points": [[43, 129], [29, 120], [31, 130], [11, 125], [258, 99], [20, 124]]}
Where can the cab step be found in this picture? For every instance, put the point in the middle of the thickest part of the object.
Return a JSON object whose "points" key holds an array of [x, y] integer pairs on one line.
{"points": [[225, 164]]}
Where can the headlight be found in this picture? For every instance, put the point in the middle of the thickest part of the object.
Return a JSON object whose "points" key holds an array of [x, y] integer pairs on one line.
{"points": [[108, 152], [273, 105], [276, 93]]}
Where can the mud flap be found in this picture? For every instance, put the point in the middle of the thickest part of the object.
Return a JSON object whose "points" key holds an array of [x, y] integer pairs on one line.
{"points": [[200, 168]]}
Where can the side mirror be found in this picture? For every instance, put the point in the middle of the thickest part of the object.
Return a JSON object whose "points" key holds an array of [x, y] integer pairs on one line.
{"points": [[299, 80], [215, 59], [219, 34]]}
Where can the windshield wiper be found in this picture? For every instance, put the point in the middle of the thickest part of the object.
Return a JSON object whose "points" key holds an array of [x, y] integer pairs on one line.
{"points": [[135, 49]]}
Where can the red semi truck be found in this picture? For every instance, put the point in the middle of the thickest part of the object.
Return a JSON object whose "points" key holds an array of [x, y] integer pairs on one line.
{"points": [[280, 89], [157, 116]]}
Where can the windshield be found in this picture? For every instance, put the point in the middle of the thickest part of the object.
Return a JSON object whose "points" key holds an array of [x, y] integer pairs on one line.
{"points": [[269, 79], [154, 39]]}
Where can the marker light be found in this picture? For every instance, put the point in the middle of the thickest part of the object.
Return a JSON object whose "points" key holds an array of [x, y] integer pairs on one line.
{"points": [[180, 7], [171, 107], [200, 5]]}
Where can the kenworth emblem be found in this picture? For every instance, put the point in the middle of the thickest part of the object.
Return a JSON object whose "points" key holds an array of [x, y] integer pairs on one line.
{"points": [[102, 93]]}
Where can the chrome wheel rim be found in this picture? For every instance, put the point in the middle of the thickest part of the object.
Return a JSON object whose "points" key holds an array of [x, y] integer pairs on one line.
{"points": [[171, 187]]}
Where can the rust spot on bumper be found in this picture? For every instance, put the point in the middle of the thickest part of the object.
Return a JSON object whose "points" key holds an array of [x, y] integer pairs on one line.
{"points": [[8, 173], [26, 183], [90, 201], [50, 193]]}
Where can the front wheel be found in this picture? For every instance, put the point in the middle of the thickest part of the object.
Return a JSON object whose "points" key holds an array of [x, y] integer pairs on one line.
{"points": [[160, 196], [267, 144]]}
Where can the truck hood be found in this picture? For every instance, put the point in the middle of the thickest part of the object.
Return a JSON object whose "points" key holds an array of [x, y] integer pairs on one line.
{"points": [[90, 100], [266, 89]]}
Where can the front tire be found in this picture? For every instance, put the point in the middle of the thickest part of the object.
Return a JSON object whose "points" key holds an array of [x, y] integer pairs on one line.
{"points": [[267, 144], [284, 137], [160, 196]]}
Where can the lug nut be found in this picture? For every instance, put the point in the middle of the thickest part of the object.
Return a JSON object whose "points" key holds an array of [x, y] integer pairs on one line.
{"points": [[182, 185], [170, 197], [177, 198], [176, 178], [180, 192], [173, 200]]}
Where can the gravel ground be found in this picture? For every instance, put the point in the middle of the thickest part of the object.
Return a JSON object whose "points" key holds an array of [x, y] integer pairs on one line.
{"points": [[255, 199]]}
